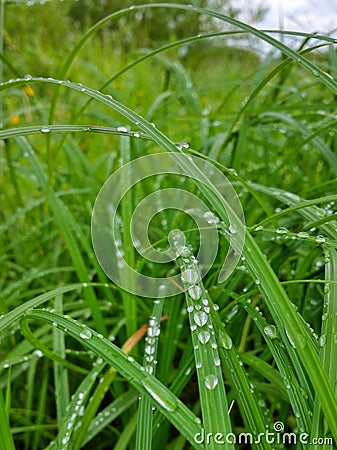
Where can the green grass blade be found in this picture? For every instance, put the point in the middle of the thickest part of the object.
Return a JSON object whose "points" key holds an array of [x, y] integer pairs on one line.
{"points": [[145, 413], [207, 362], [6, 438], [169, 405]]}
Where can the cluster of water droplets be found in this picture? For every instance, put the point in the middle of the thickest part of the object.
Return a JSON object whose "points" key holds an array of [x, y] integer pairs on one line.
{"points": [[151, 345], [283, 233], [198, 309]]}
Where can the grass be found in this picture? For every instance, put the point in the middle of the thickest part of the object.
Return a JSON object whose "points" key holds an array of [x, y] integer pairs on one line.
{"points": [[245, 345]]}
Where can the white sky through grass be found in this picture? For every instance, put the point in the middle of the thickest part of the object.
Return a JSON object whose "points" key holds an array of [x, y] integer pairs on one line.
{"points": [[301, 15]]}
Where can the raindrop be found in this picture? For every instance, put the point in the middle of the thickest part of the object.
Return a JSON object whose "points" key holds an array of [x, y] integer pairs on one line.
{"points": [[195, 292], [122, 129], [217, 362], [232, 172], [204, 337], [225, 341], [290, 339], [190, 276], [45, 130], [190, 309], [162, 396], [320, 239], [149, 349], [322, 340], [271, 331], [200, 318], [211, 218], [303, 235], [211, 381], [85, 334], [232, 229], [281, 230]]}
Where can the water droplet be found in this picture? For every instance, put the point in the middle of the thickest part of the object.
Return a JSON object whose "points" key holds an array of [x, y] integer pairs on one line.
{"points": [[162, 396], [290, 339], [204, 337], [85, 334], [281, 230], [190, 309], [190, 276], [271, 331], [195, 292], [303, 235], [211, 381], [198, 365], [149, 349], [122, 129], [217, 362], [45, 130], [211, 218], [232, 172], [320, 239], [232, 229], [225, 341], [322, 340], [200, 318]]}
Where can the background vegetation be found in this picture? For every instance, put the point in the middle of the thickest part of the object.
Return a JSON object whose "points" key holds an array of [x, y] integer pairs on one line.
{"points": [[74, 345]]}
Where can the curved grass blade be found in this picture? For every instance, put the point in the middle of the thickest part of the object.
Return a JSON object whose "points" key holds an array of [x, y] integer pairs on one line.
{"points": [[173, 409], [213, 398]]}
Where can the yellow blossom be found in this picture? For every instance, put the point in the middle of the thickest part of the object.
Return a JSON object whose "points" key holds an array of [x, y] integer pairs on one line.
{"points": [[14, 120], [28, 91]]}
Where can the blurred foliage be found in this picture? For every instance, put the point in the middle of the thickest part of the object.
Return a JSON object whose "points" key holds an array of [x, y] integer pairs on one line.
{"points": [[148, 27], [158, 25]]}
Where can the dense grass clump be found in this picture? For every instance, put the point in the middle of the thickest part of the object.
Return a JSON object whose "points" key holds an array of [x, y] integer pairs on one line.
{"points": [[86, 362]]}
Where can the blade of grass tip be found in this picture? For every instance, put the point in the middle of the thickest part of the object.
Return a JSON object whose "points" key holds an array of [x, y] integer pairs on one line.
{"points": [[6, 438], [168, 404], [61, 381], [207, 362], [328, 339], [145, 412]]}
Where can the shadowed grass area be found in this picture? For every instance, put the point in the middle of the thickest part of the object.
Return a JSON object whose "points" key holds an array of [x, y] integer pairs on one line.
{"points": [[85, 363]]}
